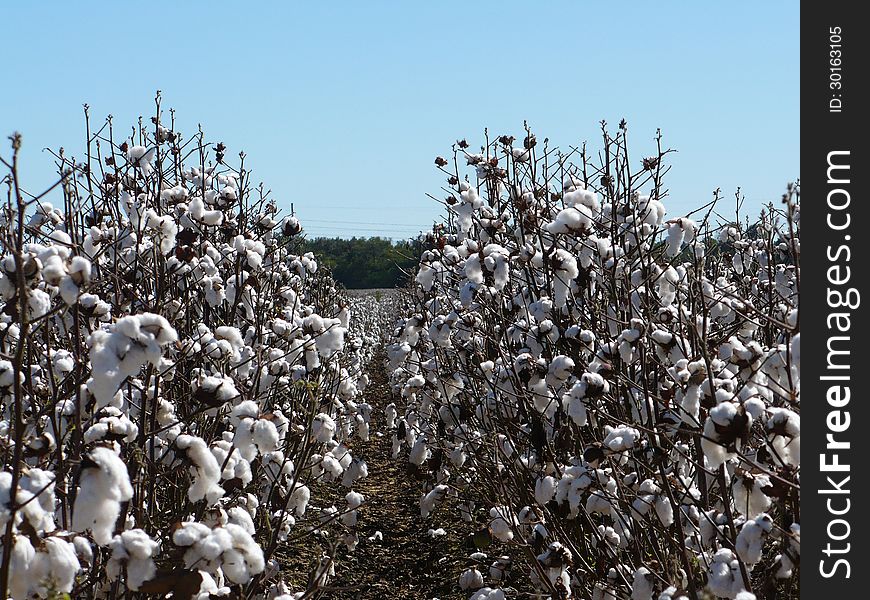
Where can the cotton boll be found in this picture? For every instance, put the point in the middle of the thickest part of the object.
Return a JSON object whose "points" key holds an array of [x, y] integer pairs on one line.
{"points": [[103, 485], [500, 569], [299, 499], [230, 547], [53, 567], [621, 439], [204, 469], [487, 593], [358, 469], [664, 510], [391, 414], [141, 157], [545, 489], [197, 211], [502, 522], [642, 585], [135, 550], [791, 553], [723, 576], [323, 428], [419, 452], [428, 500], [39, 304], [749, 499], [784, 435], [574, 220], [470, 579], [120, 351], [354, 500], [20, 561], [750, 540], [265, 436]]}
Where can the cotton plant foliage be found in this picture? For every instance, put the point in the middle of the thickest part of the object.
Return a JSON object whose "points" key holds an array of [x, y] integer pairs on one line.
{"points": [[611, 391], [176, 378]]}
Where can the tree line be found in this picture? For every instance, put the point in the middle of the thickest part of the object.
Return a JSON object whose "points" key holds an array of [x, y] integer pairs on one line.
{"points": [[367, 262]]}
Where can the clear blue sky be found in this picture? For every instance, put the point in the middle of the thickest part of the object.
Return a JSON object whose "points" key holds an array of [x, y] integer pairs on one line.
{"points": [[342, 106]]}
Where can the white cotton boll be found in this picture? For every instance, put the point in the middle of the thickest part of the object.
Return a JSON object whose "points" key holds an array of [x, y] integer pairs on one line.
{"points": [[331, 467], [621, 439], [209, 589], [521, 155], [574, 405], [21, 559], [246, 550], [572, 220], [189, 533], [796, 350], [561, 368], [39, 511], [241, 517], [265, 436], [791, 552], [488, 593], [470, 579], [750, 540], [83, 550], [545, 489], [597, 502], [428, 500], [53, 567], [39, 303], [472, 269], [671, 594], [690, 403], [358, 469], [744, 595], [419, 452], [135, 550], [723, 576], [299, 499], [502, 523], [198, 213], [323, 428], [749, 499], [141, 157], [354, 500], [650, 211], [204, 470], [391, 413], [120, 351], [664, 510], [675, 239], [642, 584], [426, 277], [231, 334], [103, 485], [111, 421], [784, 434]]}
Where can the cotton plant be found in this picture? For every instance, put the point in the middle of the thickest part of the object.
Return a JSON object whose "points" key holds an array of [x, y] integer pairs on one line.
{"points": [[182, 359], [638, 368]]}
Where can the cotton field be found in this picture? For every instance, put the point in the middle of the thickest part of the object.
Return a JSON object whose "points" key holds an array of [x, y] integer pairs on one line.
{"points": [[577, 395]]}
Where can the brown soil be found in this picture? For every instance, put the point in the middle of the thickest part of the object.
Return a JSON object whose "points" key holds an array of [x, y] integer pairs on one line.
{"points": [[406, 563]]}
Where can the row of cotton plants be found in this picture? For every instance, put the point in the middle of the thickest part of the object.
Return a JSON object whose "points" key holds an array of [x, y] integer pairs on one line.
{"points": [[174, 378], [608, 390]]}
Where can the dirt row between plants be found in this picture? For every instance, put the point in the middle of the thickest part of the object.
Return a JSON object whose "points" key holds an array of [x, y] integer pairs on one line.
{"points": [[407, 562]]}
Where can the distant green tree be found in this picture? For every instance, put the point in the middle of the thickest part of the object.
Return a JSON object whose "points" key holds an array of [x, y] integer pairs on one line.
{"points": [[363, 263]]}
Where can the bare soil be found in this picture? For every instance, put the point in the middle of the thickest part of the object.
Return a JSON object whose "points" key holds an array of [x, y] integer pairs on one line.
{"points": [[407, 563]]}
